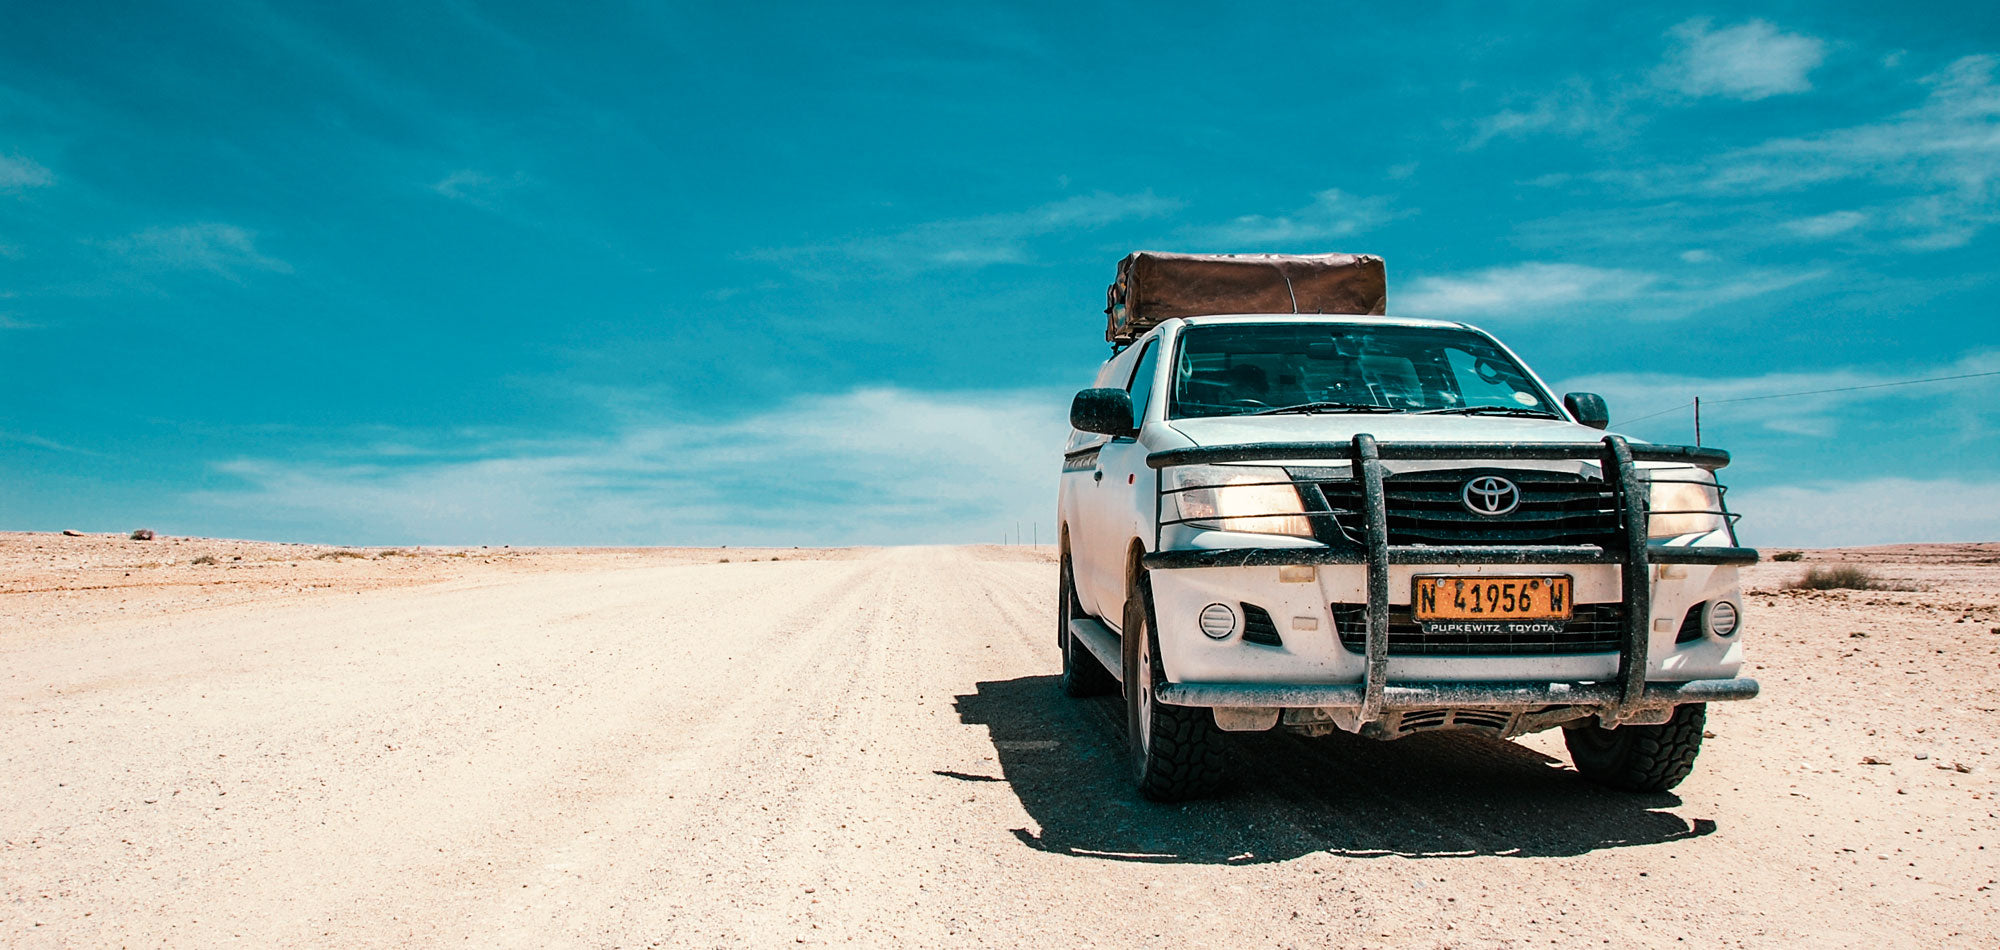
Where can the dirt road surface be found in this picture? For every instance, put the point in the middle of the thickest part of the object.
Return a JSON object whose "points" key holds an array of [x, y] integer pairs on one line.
{"points": [[869, 748]]}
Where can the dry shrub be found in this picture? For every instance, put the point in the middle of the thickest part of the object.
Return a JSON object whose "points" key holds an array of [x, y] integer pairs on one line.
{"points": [[338, 554], [1787, 555], [204, 559], [1837, 577]]}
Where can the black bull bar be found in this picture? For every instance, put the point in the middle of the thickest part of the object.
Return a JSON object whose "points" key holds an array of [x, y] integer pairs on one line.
{"points": [[1621, 699]]}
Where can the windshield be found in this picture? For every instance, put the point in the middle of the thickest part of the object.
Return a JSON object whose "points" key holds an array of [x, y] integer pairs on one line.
{"points": [[1240, 369]]}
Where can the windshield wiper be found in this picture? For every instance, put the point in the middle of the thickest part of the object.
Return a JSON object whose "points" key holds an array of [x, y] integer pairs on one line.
{"points": [[1490, 411], [1308, 408]]}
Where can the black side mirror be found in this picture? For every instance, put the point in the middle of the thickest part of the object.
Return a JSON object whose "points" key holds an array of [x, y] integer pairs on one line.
{"points": [[1103, 411], [1589, 409]]}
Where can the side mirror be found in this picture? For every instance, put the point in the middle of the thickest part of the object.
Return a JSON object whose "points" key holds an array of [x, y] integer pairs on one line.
{"points": [[1589, 409], [1103, 411]]}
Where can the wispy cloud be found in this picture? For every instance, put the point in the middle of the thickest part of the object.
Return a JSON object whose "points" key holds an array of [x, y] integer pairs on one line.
{"points": [[222, 249], [1331, 214], [1520, 289], [1750, 61], [863, 466], [1826, 225], [17, 172], [1555, 290], [1635, 395], [1574, 108], [476, 187], [1945, 155], [981, 241]]}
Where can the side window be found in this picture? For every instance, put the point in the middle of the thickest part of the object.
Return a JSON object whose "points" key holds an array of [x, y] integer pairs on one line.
{"points": [[1141, 385], [1111, 375]]}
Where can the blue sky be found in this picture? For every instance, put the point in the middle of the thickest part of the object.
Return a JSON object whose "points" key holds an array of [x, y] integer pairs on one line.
{"points": [[395, 273]]}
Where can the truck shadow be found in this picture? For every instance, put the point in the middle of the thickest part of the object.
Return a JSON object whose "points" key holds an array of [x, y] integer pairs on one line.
{"points": [[1437, 795]]}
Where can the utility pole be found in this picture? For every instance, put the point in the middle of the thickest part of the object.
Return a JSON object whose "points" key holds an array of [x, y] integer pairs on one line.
{"points": [[1697, 421]]}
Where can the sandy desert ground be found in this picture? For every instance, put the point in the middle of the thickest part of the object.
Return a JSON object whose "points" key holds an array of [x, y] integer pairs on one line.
{"points": [[216, 743]]}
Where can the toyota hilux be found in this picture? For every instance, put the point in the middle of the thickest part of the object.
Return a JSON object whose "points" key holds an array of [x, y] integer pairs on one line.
{"points": [[1380, 525]]}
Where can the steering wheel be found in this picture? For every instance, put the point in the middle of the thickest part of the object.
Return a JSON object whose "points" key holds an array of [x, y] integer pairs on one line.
{"points": [[1248, 403]]}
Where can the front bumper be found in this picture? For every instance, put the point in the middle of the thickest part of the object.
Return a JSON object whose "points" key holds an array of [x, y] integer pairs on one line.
{"points": [[1634, 684]]}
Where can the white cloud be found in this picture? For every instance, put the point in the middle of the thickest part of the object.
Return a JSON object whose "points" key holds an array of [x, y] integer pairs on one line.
{"points": [[461, 183], [476, 187], [223, 249], [1573, 108], [1519, 289], [1636, 395], [17, 172], [1945, 153], [1752, 61], [1872, 511], [1331, 214], [969, 242], [1826, 225], [872, 465], [1553, 290]]}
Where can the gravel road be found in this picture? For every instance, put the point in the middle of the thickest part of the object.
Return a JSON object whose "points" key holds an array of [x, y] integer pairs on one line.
{"points": [[873, 751]]}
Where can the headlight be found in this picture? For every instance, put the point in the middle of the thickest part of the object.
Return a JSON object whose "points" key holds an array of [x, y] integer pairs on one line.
{"points": [[1683, 501], [1238, 498]]}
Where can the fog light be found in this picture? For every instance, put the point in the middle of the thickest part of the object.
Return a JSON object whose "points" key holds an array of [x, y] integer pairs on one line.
{"points": [[1721, 618], [1218, 621]]}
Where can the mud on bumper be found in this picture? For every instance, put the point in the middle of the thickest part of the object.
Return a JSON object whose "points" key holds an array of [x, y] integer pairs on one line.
{"points": [[1374, 704]]}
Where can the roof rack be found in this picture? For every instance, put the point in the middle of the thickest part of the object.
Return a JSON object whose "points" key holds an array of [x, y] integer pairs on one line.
{"points": [[1155, 285]]}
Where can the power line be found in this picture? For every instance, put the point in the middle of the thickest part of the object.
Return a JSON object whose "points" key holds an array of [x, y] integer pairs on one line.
{"points": [[1849, 389], [1626, 422], [1813, 392]]}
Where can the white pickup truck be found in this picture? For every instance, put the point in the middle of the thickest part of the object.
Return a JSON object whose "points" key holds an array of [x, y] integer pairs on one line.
{"points": [[1383, 526]]}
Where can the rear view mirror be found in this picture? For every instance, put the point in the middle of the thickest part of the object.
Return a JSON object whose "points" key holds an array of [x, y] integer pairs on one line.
{"points": [[1589, 409], [1103, 411]]}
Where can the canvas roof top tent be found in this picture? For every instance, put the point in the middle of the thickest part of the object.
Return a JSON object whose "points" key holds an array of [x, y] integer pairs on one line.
{"points": [[1154, 285]]}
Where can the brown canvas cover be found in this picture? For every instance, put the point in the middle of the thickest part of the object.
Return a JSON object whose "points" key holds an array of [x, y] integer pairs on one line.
{"points": [[1155, 285]]}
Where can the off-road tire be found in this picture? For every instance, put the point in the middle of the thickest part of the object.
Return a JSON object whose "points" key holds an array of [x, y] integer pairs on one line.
{"points": [[1639, 758], [1176, 750], [1082, 674]]}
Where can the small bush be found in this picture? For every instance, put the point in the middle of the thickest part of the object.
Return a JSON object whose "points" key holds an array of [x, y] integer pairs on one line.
{"points": [[142, 534], [338, 554], [204, 559], [1787, 555], [723, 561], [1836, 577]]}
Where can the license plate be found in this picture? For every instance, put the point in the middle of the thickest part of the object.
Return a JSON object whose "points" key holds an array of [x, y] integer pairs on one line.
{"points": [[1492, 598]]}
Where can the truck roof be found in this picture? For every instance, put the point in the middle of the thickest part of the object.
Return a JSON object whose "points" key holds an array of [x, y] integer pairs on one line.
{"points": [[1357, 319]]}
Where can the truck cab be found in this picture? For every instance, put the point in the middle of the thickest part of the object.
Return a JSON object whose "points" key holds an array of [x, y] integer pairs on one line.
{"points": [[1385, 526]]}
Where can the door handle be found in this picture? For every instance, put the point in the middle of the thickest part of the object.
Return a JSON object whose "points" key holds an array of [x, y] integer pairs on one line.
{"points": [[1100, 474]]}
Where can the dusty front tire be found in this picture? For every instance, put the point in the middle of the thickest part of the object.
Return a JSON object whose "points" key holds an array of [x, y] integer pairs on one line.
{"points": [[1082, 674], [1176, 750], [1639, 758]]}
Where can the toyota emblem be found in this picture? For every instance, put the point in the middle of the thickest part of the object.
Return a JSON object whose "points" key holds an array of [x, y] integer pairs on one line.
{"points": [[1490, 495]]}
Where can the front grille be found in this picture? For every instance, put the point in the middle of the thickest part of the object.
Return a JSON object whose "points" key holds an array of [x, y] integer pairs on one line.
{"points": [[1427, 508], [1592, 628]]}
